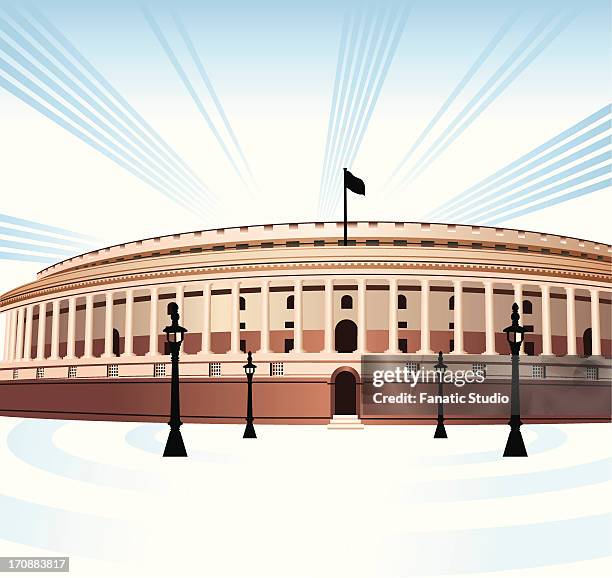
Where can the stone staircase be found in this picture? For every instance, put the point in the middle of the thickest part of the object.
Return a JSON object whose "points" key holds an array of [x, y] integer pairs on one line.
{"points": [[345, 422]]}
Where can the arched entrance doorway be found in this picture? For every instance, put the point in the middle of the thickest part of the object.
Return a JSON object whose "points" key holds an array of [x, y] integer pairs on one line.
{"points": [[346, 336], [345, 394], [587, 342]]}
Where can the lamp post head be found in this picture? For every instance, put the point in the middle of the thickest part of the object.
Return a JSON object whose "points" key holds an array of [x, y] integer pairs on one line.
{"points": [[440, 366], [515, 333], [249, 367], [174, 332]]}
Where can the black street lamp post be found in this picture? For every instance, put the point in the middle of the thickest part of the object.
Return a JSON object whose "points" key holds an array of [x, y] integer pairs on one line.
{"points": [[174, 336], [440, 369], [249, 369], [515, 446]]}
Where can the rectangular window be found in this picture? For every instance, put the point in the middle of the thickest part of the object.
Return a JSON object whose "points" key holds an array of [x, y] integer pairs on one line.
{"points": [[538, 371], [112, 370], [159, 370], [319, 243], [277, 368], [243, 345], [40, 372], [293, 243], [402, 324], [480, 368], [592, 373], [451, 345], [242, 325], [288, 345], [451, 325], [529, 328], [372, 242], [400, 243], [412, 366], [15, 374], [529, 348], [214, 369], [427, 243], [288, 324], [402, 345], [72, 372]]}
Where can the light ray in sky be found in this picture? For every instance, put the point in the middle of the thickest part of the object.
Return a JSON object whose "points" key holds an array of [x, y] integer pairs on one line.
{"points": [[477, 64], [384, 59], [213, 93], [192, 92], [523, 64], [117, 102], [450, 208]]}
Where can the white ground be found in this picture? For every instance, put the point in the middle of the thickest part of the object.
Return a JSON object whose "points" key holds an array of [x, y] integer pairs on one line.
{"points": [[305, 501]]}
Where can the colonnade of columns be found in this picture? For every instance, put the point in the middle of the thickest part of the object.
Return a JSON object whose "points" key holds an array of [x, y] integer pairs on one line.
{"points": [[18, 344]]}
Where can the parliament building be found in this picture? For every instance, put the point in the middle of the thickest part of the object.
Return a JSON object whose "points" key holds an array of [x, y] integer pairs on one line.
{"points": [[85, 339]]}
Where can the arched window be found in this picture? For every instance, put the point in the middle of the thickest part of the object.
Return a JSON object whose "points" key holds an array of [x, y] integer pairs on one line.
{"points": [[527, 307], [242, 304], [290, 302], [451, 303], [401, 302], [346, 302]]}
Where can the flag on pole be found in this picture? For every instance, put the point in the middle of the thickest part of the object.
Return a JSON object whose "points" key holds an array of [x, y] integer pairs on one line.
{"points": [[353, 183], [357, 186]]}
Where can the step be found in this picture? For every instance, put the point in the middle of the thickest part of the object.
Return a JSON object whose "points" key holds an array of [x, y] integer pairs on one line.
{"points": [[345, 422]]}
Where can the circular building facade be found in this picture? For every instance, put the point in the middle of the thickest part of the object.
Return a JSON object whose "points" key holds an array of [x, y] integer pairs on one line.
{"points": [[85, 339]]}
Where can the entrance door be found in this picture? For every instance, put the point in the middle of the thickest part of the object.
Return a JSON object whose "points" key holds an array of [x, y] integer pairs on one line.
{"points": [[346, 336], [345, 394]]}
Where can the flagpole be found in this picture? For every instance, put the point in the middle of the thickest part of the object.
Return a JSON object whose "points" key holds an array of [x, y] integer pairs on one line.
{"points": [[345, 211]]}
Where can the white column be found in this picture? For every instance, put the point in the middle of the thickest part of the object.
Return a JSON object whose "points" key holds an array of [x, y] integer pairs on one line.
{"points": [[235, 317], [128, 349], [571, 321], [546, 330], [206, 293], [70, 339], [20, 324], [264, 333], [7, 330], [489, 319], [518, 299], [298, 326], [108, 325], [27, 347], [425, 347], [328, 346], [55, 337], [180, 300], [362, 316], [88, 346], [595, 323], [42, 328], [153, 329], [393, 341], [458, 318], [12, 334]]}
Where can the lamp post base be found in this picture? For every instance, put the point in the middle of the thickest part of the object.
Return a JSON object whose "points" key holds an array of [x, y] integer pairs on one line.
{"points": [[249, 431], [175, 447], [440, 429], [515, 446]]}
